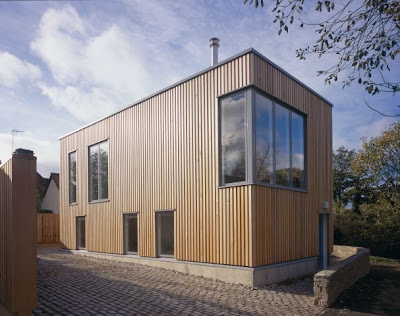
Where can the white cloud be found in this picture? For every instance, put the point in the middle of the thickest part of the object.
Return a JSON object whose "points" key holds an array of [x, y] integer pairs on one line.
{"points": [[13, 70], [85, 105], [94, 74]]}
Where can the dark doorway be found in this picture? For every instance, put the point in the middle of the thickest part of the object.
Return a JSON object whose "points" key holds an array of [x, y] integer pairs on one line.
{"points": [[81, 232], [165, 233], [131, 233]]}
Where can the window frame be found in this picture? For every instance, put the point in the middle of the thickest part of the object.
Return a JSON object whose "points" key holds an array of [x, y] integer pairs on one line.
{"points": [[78, 232], [69, 177], [248, 138], [125, 232], [251, 139], [157, 233], [108, 172]]}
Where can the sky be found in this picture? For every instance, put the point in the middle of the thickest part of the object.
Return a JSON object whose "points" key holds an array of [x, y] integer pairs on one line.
{"points": [[64, 64]]}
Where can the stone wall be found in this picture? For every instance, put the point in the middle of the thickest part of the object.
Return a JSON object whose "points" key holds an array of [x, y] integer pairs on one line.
{"points": [[330, 283]]}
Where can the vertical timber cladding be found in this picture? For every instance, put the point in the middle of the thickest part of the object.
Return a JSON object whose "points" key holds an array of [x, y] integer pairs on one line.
{"points": [[163, 154], [286, 222]]}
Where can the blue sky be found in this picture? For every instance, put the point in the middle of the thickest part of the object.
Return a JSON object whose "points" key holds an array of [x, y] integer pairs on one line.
{"points": [[64, 64]]}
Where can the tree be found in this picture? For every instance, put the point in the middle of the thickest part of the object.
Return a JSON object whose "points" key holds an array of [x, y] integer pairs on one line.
{"points": [[377, 164], [365, 36], [373, 191], [343, 177]]}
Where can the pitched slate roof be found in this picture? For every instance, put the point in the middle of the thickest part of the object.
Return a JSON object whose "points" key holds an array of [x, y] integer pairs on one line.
{"points": [[56, 178], [42, 184]]}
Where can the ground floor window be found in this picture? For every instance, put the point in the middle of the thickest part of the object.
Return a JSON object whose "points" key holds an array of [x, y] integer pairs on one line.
{"points": [[80, 232], [131, 233], [165, 233]]}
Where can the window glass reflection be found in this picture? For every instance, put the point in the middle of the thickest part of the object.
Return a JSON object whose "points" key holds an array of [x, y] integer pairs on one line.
{"points": [[72, 177], [264, 139], [233, 138], [282, 143], [98, 171], [276, 146], [298, 150]]}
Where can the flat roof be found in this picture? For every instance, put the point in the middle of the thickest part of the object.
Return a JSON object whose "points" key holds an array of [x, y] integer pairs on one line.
{"points": [[249, 50]]}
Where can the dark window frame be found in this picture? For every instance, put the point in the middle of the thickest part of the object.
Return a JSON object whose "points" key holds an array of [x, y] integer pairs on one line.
{"points": [[125, 232], [158, 236], [79, 233], [98, 200], [70, 200], [248, 139]]}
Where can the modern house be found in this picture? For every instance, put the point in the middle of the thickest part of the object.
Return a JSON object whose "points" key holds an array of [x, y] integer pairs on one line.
{"points": [[51, 199], [228, 168]]}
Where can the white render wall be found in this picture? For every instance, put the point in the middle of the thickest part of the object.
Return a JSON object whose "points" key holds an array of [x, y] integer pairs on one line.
{"points": [[51, 200]]}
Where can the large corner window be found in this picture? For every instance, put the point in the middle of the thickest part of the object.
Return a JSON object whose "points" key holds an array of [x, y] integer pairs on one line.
{"points": [[72, 177], [98, 172], [261, 141]]}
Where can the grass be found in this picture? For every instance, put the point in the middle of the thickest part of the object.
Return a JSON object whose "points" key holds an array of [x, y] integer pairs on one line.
{"points": [[376, 259]]}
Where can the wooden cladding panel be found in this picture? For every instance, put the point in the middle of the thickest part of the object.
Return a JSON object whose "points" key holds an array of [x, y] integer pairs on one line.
{"points": [[287, 221], [164, 155]]}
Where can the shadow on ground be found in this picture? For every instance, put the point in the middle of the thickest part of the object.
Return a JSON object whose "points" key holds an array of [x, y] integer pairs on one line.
{"points": [[376, 293]]}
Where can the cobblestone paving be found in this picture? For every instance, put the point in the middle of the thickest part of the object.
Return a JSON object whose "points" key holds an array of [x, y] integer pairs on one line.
{"points": [[70, 284]]}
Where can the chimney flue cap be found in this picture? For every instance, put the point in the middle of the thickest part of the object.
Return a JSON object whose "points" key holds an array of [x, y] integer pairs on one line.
{"points": [[21, 151], [214, 41]]}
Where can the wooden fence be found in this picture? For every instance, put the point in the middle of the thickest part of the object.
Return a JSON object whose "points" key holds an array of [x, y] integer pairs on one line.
{"points": [[48, 228]]}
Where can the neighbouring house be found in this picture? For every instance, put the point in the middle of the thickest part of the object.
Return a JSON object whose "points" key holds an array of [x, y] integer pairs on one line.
{"points": [[48, 194], [227, 167], [51, 198], [41, 186]]}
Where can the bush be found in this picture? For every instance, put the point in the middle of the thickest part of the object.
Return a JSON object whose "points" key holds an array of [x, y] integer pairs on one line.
{"points": [[377, 227]]}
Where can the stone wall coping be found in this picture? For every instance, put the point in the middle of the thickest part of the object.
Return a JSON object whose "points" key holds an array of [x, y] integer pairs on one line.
{"points": [[331, 282]]}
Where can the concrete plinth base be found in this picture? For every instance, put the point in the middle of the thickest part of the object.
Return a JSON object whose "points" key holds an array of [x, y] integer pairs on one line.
{"points": [[252, 277]]}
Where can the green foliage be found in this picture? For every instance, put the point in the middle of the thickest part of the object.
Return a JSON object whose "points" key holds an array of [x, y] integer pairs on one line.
{"points": [[377, 259], [343, 177], [377, 227], [378, 165], [369, 181], [364, 35]]}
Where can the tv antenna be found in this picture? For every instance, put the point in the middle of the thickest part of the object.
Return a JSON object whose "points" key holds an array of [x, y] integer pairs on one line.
{"points": [[14, 131]]}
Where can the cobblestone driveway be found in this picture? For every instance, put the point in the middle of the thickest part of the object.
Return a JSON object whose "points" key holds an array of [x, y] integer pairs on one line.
{"points": [[70, 284]]}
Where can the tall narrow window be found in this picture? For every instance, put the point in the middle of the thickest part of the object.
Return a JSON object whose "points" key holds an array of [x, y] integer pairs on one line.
{"points": [[233, 125], [165, 233], [72, 177], [98, 172]]}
